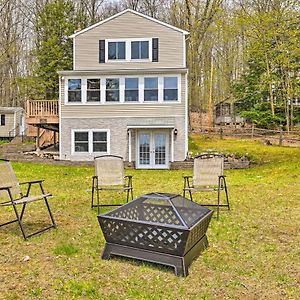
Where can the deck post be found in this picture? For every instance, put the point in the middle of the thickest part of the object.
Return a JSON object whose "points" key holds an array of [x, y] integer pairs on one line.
{"points": [[38, 139]]}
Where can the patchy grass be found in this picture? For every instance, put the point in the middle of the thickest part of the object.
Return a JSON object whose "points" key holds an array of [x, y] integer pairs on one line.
{"points": [[66, 249], [254, 249]]}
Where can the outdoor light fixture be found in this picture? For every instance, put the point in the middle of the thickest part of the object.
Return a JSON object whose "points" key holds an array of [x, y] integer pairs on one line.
{"points": [[175, 131]]}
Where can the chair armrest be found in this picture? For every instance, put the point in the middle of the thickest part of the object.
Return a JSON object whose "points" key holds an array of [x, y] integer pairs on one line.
{"points": [[128, 176], [5, 188], [32, 181], [187, 176]]}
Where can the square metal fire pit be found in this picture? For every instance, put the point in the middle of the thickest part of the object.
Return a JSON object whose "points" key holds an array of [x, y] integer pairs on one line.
{"points": [[158, 227]]}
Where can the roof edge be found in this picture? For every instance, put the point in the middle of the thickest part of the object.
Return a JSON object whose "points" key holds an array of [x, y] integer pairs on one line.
{"points": [[123, 12]]}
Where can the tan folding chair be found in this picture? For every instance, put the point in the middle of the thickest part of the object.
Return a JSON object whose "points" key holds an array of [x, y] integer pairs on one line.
{"points": [[12, 195], [109, 176], [207, 176]]}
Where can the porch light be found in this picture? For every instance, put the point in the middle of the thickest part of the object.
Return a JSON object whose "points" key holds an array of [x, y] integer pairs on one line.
{"points": [[175, 131]]}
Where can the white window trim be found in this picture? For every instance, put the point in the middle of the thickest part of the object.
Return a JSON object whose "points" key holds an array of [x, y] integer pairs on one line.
{"points": [[67, 90], [128, 50], [86, 90], [178, 91], [90, 141], [122, 90], [139, 89]]}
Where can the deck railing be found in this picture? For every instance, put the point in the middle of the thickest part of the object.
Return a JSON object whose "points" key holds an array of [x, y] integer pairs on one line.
{"points": [[42, 108]]}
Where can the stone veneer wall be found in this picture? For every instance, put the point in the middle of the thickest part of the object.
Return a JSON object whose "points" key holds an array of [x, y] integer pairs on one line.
{"points": [[118, 137]]}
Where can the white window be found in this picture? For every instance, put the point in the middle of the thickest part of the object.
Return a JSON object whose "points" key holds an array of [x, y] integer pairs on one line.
{"points": [[170, 88], [122, 89], [81, 141], [93, 91], [140, 50], [112, 89], [127, 50], [151, 89], [90, 141], [131, 89], [116, 50], [99, 141], [74, 90]]}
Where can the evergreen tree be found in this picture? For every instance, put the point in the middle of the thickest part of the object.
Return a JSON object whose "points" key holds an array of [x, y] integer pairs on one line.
{"points": [[55, 22]]}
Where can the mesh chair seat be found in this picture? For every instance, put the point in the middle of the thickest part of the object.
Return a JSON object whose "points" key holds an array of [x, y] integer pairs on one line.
{"points": [[109, 176], [208, 175], [26, 199]]}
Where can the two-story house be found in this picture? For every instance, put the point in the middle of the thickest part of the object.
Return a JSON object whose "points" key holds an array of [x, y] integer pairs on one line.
{"points": [[127, 92]]}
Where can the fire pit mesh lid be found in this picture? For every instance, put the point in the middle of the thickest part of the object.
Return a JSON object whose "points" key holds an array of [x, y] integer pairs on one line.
{"points": [[162, 209]]}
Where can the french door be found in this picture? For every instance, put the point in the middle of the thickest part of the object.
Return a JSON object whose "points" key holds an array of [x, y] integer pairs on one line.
{"points": [[152, 150]]}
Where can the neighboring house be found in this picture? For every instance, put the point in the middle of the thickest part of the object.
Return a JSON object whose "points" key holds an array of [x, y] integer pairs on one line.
{"points": [[12, 122], [225, 114], [127, 92]]}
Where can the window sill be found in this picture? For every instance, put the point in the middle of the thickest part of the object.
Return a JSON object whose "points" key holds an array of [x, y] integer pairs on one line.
{"points": [[122, 103], [127, 60], [90, 153]]}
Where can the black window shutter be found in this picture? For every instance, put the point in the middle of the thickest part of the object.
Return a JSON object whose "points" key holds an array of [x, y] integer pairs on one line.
{"points": [[2, 120], [102, 51], [155, 49]]}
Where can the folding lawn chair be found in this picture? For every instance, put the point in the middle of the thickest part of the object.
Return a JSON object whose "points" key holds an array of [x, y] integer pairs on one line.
{"points": [[12, 195], [207, 176], [109, 176]]}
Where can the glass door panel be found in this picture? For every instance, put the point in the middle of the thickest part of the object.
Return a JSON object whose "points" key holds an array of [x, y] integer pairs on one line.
{"points": [[159, 149], [144, 149]]}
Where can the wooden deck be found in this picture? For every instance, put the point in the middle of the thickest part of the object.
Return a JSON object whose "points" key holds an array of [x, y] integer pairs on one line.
{"points": [[42, 112], [42, 118]]}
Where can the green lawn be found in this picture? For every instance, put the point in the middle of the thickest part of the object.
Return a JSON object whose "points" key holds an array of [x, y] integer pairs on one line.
{"points": [[254, 250]]}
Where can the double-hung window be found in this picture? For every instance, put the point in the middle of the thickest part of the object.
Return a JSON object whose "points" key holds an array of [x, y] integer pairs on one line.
{"points": [[99, 141], [150, 89], [81, 141], [93, 90], [140, 50], [112, 89], [74, 90], [170, 88], [131, 89], [116, 50], [91, 141]]}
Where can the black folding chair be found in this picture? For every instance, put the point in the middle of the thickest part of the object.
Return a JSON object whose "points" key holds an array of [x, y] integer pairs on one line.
{"points": [[11, 193]]}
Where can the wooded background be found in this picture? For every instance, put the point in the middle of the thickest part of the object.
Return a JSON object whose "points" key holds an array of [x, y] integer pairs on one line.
{"points": [[243, 51]]}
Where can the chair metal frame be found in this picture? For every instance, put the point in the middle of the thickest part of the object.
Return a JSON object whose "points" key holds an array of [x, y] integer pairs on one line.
{"points": [[96, 187], [24, 200], [221, 185]]}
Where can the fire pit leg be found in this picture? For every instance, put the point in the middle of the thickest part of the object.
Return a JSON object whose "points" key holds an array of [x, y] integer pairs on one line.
{"points": [[106, 252], [181, 269]]}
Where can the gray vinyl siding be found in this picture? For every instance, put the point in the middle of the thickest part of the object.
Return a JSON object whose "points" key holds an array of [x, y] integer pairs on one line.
{"points": [[9, 124], [129, 25]]}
